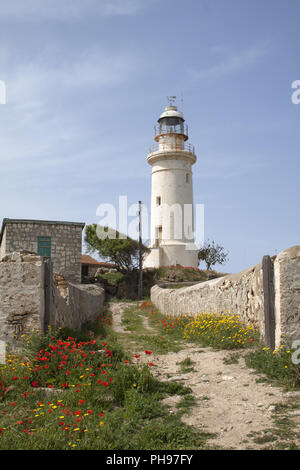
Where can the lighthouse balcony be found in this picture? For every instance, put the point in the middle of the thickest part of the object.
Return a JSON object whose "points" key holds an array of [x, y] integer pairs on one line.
{"points": [[172, 146], [170, 150]]}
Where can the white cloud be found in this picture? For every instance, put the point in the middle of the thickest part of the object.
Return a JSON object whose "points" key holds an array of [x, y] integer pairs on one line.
{"points": [[34, 82], [38, 130], [231, 62], [67, 10]]}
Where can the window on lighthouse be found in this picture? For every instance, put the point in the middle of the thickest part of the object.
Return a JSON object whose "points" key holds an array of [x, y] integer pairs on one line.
{"points": [[187, 179], [158, 201]]}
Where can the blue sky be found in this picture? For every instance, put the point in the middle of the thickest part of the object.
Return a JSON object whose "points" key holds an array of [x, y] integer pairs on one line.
{"points": [[87, 80]]}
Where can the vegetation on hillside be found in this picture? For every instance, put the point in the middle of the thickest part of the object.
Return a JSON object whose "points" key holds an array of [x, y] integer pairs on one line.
{"points": [[114, 247], [212, 254], [80, 390], [87, 389]]}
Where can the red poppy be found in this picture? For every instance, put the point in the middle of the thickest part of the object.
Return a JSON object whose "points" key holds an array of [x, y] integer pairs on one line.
{"points": [[148, 352]]}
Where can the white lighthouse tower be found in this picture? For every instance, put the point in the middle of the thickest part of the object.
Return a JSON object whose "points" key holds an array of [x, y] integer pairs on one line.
{"points": [[172, 211]]}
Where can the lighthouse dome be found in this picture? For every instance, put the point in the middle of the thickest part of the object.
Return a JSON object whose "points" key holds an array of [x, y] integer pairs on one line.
{"points": [[171, 112]]}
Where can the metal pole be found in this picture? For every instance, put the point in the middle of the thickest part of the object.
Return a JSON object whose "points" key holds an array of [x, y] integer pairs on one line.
{"points": [[140, 287]]}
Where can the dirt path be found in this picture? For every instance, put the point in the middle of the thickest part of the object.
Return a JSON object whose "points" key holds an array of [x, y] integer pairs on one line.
{"points": [[230, 403]]}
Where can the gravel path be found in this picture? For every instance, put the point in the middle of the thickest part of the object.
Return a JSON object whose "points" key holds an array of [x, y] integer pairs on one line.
{"points": [[229, 401]]}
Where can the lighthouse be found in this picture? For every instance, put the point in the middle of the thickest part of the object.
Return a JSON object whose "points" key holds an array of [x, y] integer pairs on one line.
{"points": [[172, 207]]}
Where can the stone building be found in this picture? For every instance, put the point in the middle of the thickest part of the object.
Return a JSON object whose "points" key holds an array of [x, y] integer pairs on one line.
{"points": [[90, 266], [60, 241]]}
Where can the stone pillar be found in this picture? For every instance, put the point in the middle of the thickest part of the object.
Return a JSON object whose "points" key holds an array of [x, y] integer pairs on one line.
{"points": [[287, 295]]}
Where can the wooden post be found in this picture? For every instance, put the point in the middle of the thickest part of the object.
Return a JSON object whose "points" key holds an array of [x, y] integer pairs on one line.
{"points": [[140, 287], [269, 301]]}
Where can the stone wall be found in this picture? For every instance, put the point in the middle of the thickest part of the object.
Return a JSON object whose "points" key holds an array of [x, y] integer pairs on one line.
{"points": [[21, 294], [24, 293], [287, 294], [243, 294], [66, 243], [82, 303]]}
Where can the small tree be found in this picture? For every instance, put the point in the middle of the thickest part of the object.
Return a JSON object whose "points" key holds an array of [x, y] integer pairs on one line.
{"points": [[212, 254], [120, 250]]}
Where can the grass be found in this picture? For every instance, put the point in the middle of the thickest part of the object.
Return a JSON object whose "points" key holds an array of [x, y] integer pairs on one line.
{"points": [[79, 390], [186, 365], [183, 274], [111, 278], [207, 329], [132, 321], [83, 390], [232, 358], [222, 332], [277, 366], [284, 432]]}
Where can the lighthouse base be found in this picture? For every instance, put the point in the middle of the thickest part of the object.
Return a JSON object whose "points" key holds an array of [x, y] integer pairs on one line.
{"points": [[171, 255]]}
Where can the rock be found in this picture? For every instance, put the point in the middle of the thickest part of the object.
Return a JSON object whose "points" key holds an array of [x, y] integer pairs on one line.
{"points": [[227, 428], [227, 377], [50, 391], [272, 408], [178, 377], [292, 394]]}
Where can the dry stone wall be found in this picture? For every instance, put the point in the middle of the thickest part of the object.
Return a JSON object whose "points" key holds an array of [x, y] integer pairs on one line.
{"points": [[21, 294], [243, 294], [25, 297], [81, 303], [287, 294]]}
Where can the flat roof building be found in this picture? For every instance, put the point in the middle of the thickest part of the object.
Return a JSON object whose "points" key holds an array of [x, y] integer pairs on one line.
{"points": [[59, 240]]}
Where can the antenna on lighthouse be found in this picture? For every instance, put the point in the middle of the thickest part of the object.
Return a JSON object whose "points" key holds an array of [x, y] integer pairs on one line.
{"points": [[171, 100]]}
